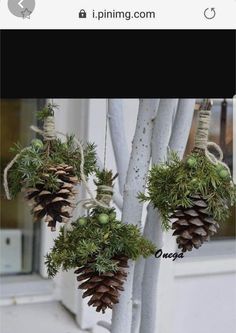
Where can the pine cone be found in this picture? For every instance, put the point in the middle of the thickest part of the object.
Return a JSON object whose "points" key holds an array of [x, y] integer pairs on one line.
{"points": [[56, 206], [193, 225], [104, 288]]}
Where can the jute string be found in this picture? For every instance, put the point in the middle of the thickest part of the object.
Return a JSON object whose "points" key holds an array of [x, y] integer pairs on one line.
{"points": [[5, 173], [49, 133], [106, 196], [203, 129], [201, 139]]}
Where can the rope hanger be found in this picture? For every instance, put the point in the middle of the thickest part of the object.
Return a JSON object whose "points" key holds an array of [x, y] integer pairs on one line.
{"points": [[201, 138]]}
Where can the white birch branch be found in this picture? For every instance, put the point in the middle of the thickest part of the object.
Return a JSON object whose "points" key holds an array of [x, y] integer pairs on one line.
{"points": [[156, 237], [118, 200], [132, 208], [162, 129], [118, 138], [180, 131], [105, 325], [178, 141], [146, 292]]}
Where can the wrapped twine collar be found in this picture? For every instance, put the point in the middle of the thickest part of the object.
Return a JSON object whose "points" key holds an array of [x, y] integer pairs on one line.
{"points": [[49, 133], [201, 138]]}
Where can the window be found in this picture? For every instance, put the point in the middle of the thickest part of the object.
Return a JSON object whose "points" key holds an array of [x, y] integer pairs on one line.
{"points": [[19, 236]]}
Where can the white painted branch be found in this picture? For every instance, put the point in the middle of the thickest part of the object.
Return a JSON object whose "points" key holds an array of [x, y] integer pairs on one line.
{"points": [[146, 293], [178, 141], [153, 232], [137, 294], [105, 325], [118, 200], [118, 138], [180, 131], [162, 129], [155, 235], [132, 208], [139, 161]]}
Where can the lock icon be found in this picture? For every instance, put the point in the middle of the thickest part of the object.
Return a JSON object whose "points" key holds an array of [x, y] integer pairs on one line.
{"points": [[82, 13]]}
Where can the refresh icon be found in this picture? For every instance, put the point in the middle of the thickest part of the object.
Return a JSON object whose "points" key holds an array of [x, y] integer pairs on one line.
{"points": [[209, 13]]}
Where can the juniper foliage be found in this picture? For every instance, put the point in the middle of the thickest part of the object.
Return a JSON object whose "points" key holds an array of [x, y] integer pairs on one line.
{"points": [[47, 111], [171, 184], [97, 244]]}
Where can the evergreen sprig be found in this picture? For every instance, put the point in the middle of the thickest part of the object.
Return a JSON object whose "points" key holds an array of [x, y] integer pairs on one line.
{"points": [[47, 111], [171, 184], [97, 244]]}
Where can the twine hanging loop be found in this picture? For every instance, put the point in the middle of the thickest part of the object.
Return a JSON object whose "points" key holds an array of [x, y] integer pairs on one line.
{"points": [[201, 138], [105, 197]]}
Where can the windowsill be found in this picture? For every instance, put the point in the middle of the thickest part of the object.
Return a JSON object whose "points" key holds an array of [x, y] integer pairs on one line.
{"points": [[25, 286], [214, 248], [216, 257]]}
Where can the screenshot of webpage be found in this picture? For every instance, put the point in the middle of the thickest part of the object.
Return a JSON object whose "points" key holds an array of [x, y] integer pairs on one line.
{"points": [[118, 166]]}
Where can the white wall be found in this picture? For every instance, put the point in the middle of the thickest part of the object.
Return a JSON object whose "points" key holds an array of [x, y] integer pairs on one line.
{"points": [[205, 304]]}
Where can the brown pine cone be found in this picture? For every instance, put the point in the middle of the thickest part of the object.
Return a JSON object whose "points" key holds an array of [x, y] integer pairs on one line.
{"points": [[105, 288], [55, 206], [193, 226]]}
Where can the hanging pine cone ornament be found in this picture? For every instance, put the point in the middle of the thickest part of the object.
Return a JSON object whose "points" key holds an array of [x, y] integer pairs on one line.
{"points": [[194, 195], [99, 247], [47, 172]]}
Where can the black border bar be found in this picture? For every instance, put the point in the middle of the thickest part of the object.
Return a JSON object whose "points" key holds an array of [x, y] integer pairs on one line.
{"points": [[117, 63]]}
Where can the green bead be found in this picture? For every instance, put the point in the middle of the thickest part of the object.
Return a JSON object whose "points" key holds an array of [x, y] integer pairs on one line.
{"points": [[165, 167], [103, 218], [191, 162], [36, 143], [219, 167], [194, 181], [112, 216], [82, 221], [224, 174]]}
